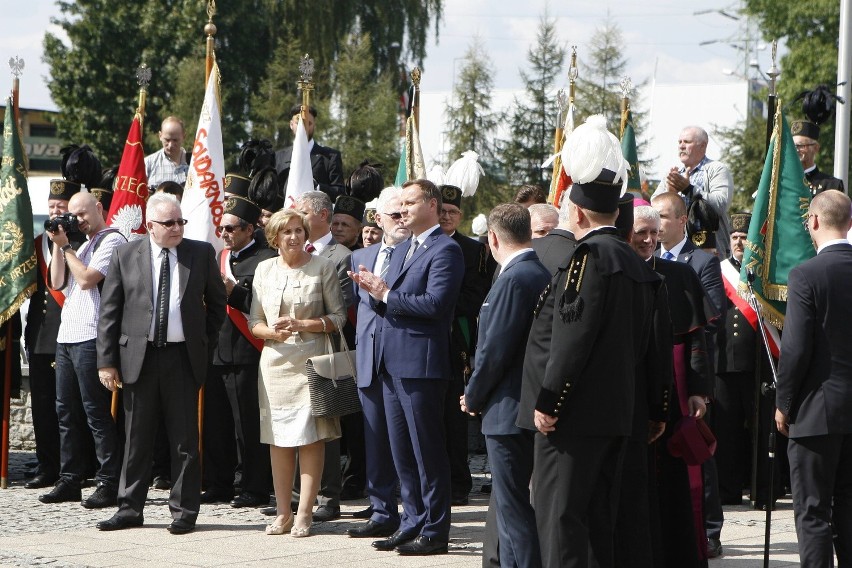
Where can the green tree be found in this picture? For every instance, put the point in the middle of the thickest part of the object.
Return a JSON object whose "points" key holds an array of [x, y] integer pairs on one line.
{"points": [[364, 118], [471, 125], [532, 117], [92, 75], [810, 31], [599, 79]]}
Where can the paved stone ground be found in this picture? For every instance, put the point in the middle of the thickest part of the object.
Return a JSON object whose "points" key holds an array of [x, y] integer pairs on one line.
{"points": [[63, 535]]}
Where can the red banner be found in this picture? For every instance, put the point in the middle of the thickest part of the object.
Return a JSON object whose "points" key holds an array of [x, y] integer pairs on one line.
{"points": [[130, 193]]}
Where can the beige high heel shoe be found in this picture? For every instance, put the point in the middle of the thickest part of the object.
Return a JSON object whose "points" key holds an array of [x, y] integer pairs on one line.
{"points": [[300, 532], [276, 529]]}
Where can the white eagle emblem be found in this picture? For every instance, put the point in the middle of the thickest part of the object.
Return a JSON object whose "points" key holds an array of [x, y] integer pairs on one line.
{"points": [[128, 219]]}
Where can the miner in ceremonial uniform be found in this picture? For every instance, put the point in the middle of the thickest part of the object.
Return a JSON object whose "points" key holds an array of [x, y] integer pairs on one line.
{"points": [[346, 221], [582, 406], [42, 328], [737, 389], [326, 163], [474, 288], [806, 138], [371, 232], [231, 407]]}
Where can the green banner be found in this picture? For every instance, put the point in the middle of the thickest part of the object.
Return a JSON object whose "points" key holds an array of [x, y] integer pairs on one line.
{"points": [[18, 263], [777, 241], [628, 148]]}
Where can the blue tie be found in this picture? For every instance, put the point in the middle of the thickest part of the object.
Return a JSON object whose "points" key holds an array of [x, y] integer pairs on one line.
{"points": [[668, 255]]}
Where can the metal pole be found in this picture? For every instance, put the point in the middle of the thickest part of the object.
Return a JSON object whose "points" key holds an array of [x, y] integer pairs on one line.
{"points": [[844, 90]]}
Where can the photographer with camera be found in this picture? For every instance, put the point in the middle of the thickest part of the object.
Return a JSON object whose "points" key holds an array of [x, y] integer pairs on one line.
{"points": [[80, 398]]}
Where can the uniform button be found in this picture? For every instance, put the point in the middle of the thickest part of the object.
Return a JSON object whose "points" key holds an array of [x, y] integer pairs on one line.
{"points": [[736, 334], [44, 311], [736, 325]]}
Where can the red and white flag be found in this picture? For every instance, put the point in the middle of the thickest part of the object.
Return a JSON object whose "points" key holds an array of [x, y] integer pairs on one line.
{"points": [[204, 194], [301, 178], [127, 210]]}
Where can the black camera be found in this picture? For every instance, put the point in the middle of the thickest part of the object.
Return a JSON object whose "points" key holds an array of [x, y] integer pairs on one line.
{"points": [[67, 221]]}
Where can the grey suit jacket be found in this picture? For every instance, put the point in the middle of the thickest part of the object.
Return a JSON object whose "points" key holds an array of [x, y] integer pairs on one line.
{"points": [[127, 307]]}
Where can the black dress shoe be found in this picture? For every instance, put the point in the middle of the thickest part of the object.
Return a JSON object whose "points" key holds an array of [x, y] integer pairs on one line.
{"points": [[714, 548], [118, 522], [364, 513], [326, 513], [394, 540], [422, 546], [41, 481], [246, 499], [179, 526], [269, 511], [459, 501], [373, 529], [62, 492], [104, 496], [216, 496], [161, 483]]}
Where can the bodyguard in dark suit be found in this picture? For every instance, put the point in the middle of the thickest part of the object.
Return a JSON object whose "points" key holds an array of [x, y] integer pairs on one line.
{"points": [[326, 164], [582, 406], [676, 244], [494, 389], [231, 407], [463, 346], [415, 308], [381, 476], [815, 386], [155, 338]]}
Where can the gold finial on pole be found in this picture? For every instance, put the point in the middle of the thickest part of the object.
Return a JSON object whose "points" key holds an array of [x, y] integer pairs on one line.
{"points": [[573, 73], [17, 66], [143, 78], [626, 86], [415, 104], [306, 83], [210, 30]]}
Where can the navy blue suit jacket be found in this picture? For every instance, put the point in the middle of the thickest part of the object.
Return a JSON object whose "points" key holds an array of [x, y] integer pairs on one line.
{"points": [[366, 321], [413, 332], [494, 388], [709, 270], [815, 370]]}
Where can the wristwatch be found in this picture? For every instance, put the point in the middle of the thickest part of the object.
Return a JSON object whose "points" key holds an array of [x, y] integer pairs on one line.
{"points": [[65, 248]]}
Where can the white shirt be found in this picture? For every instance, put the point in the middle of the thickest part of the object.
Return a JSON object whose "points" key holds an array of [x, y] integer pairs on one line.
{"points": [[675, 250], [322, 243], [511, 257], [832, 242], [175, 329]]}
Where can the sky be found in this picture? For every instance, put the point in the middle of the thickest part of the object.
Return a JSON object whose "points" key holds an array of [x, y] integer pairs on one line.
{"points": [[661, 42]]}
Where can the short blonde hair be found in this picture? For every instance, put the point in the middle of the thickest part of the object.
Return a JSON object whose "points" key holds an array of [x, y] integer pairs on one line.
{"points": [[279, 220]]}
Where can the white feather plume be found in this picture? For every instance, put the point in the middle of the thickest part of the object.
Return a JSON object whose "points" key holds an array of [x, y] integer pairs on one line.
{"points": [[436, 174], [465, 173], [591, 148], [479, 225]]}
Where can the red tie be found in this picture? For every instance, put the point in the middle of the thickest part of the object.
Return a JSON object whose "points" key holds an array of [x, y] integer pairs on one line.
{"points": [[310, 248]]}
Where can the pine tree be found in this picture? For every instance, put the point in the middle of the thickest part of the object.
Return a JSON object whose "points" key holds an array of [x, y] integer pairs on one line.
{"points": [[532, 118], [363, 124], [471, 125]]}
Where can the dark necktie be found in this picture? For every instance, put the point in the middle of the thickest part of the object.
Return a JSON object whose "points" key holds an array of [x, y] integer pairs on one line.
{"points": [[414, 245], [161, 327], [388, 251]]}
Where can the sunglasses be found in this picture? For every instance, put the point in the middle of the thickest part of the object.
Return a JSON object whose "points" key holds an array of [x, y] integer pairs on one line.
{"points": [[395, 216], [227, 229], [170, 223]]}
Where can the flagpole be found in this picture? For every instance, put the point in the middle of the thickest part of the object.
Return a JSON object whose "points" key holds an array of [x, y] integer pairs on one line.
{"points": [[17, 65], [415, 105], [844, 90], [210, 30], [772, 102]]}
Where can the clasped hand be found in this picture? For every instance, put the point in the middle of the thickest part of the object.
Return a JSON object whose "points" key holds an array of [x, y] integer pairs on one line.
{"points": [[371, 283]]}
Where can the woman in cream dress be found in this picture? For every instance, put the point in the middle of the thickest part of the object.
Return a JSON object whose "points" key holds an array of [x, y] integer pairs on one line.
{"points": [[296, 300]]}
